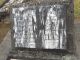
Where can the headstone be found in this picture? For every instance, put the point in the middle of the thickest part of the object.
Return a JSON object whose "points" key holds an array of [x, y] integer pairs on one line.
{"points": [[42, 30], [41, 27]]}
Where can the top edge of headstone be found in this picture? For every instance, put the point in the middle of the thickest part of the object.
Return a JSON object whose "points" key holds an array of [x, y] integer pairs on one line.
{"points": [[41, 2]]}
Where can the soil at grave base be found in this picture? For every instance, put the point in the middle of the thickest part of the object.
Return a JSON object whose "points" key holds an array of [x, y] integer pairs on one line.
{"points": [[77, 19], [4, 28]]}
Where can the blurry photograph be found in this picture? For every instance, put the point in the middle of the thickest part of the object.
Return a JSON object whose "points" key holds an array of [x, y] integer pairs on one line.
{"points": [[39, 29]]}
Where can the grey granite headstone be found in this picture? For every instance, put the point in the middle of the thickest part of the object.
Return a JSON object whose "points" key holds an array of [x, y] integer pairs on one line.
{"points": [[42, 26]]}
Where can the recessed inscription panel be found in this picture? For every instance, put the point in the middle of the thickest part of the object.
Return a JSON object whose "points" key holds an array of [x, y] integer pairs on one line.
{"points": [[40, 26]]}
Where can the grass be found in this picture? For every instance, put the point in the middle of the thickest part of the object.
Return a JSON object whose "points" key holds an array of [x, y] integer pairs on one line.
{"points": [[77, 8], [1, 2]]}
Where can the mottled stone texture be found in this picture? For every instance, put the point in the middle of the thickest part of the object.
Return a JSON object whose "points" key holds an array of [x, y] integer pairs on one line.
{"points": [[41, 26]]}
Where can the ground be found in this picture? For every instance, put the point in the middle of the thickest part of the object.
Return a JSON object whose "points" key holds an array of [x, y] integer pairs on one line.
{"points": [[5, 47], [4, 28]]}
